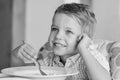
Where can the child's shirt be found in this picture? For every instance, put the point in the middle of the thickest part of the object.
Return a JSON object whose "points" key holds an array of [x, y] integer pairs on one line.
{"points": [[105, 49]]}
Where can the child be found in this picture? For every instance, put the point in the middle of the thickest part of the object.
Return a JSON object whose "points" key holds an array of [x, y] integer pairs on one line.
{"points": [[70, 45]]}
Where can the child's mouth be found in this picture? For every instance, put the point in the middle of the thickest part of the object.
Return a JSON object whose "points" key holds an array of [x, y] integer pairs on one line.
{"points": [[56, 44]]}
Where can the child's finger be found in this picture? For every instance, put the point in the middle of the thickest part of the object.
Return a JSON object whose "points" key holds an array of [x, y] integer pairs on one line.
{"points": [[31, 51], [85, 36], [27, 45], [84, 41], [25, 56], [29, 48], [26, 52]]}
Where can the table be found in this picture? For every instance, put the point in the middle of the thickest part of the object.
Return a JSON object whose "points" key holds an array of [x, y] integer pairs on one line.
{"points": [[3, 75]]}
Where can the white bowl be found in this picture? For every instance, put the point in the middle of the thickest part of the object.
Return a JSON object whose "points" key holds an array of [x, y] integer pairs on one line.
{"points": [[32, 72]]}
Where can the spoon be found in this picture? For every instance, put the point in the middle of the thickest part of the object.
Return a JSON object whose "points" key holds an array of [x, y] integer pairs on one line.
{"points": [[37, 64]]}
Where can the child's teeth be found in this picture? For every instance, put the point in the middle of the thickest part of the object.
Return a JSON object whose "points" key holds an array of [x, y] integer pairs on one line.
{"points": [[58, 45]]}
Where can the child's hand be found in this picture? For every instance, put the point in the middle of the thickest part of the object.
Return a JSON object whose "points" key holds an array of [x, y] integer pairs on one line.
{"points": [[22, 54], [25, 51], [84, 42]]}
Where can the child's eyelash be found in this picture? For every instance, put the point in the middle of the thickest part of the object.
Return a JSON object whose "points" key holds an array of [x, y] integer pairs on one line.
{"points": [[54, 29], [68, 31]]}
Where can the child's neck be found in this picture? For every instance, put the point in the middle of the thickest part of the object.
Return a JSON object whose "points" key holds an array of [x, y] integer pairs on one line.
{"points": [[64, 58]]}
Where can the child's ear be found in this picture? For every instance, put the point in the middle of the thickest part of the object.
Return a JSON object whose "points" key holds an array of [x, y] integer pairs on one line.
{"points": [[86, 30], [89, 31]]}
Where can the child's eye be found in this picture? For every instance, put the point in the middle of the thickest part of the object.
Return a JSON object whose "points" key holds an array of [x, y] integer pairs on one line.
{"points": [[68, 32], [54, 29]]}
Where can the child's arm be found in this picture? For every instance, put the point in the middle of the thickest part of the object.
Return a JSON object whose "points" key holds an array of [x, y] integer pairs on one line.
{"points": [[20, 57], [96, 70], [115, 60]]}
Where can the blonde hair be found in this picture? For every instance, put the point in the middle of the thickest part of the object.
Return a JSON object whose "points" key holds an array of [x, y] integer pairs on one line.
{"points": [[82, 13]]}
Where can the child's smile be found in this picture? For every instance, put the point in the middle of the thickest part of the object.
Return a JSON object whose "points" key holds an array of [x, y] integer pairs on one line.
{"points": [[58, 44]]}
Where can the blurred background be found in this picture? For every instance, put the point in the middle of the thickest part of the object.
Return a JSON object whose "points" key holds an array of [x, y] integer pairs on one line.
{"points": [[30, 20]]}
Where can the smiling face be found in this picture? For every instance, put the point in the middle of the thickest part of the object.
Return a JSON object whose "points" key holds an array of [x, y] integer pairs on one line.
{"points": [[65, 31]]}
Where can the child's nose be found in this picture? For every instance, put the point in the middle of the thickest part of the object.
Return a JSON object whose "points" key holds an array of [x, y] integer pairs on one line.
{"points": [[59, 35]]}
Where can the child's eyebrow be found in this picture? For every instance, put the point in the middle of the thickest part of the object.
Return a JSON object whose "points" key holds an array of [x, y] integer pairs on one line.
{"points": [[68, 28]]}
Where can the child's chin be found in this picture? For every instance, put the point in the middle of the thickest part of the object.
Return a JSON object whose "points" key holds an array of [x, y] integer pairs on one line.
{"points": [[58, 52]]}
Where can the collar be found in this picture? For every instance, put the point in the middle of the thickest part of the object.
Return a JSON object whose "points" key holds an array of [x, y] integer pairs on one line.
{"points": [[73, 58]]}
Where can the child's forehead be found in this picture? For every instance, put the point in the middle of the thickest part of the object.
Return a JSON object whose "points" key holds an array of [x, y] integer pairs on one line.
{"points": [[66, 21], [78, 19], [67, 16]]}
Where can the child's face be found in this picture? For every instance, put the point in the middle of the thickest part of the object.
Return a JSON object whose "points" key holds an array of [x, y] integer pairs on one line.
{"points": [[65, 31]]}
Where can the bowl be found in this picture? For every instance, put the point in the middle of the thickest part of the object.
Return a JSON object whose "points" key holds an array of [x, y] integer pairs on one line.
{"points": [[32, 72]]}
